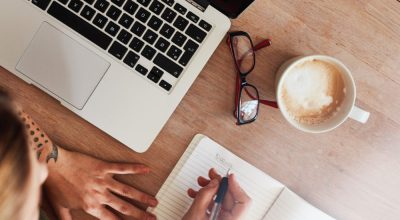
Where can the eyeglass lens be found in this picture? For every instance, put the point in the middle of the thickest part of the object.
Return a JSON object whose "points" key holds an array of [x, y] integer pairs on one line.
{"points": [[243, 51], [248, 104]]}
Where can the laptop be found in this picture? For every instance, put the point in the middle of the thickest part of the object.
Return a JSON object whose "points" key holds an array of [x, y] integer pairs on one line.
{"points": [[122, 65]]}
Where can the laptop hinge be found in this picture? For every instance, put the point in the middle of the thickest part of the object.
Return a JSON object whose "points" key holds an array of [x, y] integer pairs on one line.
{"points": [[199, 4]]}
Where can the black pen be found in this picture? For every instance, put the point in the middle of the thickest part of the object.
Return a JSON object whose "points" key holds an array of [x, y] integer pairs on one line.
{"points": [[223, 188]]}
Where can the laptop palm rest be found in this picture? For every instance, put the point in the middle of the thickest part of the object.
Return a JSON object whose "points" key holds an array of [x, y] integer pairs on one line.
{"points": [[62, 66]]}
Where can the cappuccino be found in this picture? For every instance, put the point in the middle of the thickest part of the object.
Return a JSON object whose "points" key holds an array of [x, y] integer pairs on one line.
{"points": [[313, 91]]}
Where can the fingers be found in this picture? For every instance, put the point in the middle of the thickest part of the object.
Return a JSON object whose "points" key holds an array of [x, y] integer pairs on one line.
{"points": [[102, 213], [235, 189], [202, 181], [130, 192], [192, 193], [126, 168], [127, 208], [213, 174], [241, 199], [205, 195]]}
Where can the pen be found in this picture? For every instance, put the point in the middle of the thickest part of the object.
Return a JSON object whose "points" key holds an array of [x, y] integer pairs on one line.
{"points": [[222, 189]]}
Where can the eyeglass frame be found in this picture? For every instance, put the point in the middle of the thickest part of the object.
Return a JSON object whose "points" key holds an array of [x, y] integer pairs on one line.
{"points": [[241, 82]]}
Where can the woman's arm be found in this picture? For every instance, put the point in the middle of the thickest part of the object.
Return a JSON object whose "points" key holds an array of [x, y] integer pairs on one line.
{"points": [[45, 149], [78, 181]]}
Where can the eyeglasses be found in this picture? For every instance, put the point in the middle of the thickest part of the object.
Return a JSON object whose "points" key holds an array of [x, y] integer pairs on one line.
{"points": [[247, 99]]}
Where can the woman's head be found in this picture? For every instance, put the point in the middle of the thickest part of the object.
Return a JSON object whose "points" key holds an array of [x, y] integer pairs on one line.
{"points": [[21, 175]]}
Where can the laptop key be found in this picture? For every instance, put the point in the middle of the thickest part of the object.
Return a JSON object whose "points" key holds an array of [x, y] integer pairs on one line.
{"points": [[42, 4], [130, 7], [165, 85], [179, 39], [195, 33], [156, 7], [124, 36], [155, 23], [174, 52], [148, 52], [131, 59], [90, 2], [150, 36], [144, 2], [167, 31], [181, 23], [113, 13], [143, 15], [155, 74], [100, 21], [118, 2], [62, 1], [138, 29], [192, 17], [88, 12], [101, 5], [75, 5], [112, 28], [168, 2], [206, 26], [168, 65], [191, 46], [136, 44], [117, 50], [184, 60], [76, 23], [168, 15], [162, 44], [125, 21], [178, 7], [141, 69]]}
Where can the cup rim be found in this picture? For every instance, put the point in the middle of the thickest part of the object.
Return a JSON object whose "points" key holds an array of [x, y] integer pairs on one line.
{"points": [[301, 59]]}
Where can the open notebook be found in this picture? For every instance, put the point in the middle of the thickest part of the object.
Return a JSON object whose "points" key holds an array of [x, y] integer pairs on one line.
{"points": [[271, 199]]}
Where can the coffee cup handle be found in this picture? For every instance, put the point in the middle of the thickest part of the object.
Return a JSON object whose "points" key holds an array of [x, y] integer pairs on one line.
{"points": [[359, 115]]}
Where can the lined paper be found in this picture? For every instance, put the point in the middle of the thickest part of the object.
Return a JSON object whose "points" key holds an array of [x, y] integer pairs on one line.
{"points": [[290, 206], [201, 155]]}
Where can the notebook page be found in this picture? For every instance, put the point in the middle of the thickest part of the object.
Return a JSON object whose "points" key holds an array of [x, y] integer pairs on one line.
{"points": [[176, 169], [290, 206], [173, 199]]}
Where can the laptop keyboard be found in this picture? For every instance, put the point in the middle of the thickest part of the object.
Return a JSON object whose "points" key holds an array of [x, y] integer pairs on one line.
{"points": [[163, 32]]}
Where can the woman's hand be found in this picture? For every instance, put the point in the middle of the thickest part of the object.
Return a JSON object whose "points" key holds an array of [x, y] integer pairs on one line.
{"points": [[78, 181], [235, 204]]}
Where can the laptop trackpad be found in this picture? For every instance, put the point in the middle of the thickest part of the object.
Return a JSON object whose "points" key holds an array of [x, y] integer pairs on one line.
{"points": [[62, 66]]}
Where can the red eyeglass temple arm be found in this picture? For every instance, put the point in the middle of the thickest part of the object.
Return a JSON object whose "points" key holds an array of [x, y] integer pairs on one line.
{"points": [[264, 43]]}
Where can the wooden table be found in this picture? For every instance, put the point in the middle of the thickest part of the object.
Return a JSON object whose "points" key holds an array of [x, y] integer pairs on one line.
{"points": [[350, 173]]}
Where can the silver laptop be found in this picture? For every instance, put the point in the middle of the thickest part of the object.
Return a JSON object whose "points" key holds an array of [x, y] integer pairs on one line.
{"points": [[122, 65]]}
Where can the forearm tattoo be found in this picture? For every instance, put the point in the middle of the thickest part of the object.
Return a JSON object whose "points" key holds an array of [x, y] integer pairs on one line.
{"points": [[53, 154], [45, 149]]}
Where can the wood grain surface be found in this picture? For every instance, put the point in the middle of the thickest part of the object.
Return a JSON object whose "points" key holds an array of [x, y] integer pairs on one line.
{"points": [[352, 172]]}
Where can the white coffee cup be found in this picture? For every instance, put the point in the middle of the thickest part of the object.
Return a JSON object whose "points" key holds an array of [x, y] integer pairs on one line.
{"points": [[347, 108]]}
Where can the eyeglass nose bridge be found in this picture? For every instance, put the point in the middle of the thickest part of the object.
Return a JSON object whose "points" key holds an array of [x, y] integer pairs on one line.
{"points": [[243, 81]]}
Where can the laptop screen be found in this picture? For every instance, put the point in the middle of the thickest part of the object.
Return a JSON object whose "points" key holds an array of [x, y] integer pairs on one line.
{"points": [[231, 8]]}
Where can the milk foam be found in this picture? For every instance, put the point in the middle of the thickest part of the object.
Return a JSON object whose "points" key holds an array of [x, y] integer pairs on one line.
{"points": [[313, 91], [307, 86]]}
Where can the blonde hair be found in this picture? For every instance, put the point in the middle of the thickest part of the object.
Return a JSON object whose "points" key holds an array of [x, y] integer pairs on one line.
{"points": [[14, 161]]}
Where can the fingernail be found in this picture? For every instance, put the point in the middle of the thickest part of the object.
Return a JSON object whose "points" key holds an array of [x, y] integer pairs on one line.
{"points": [[213, 183], [153, 202]]}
